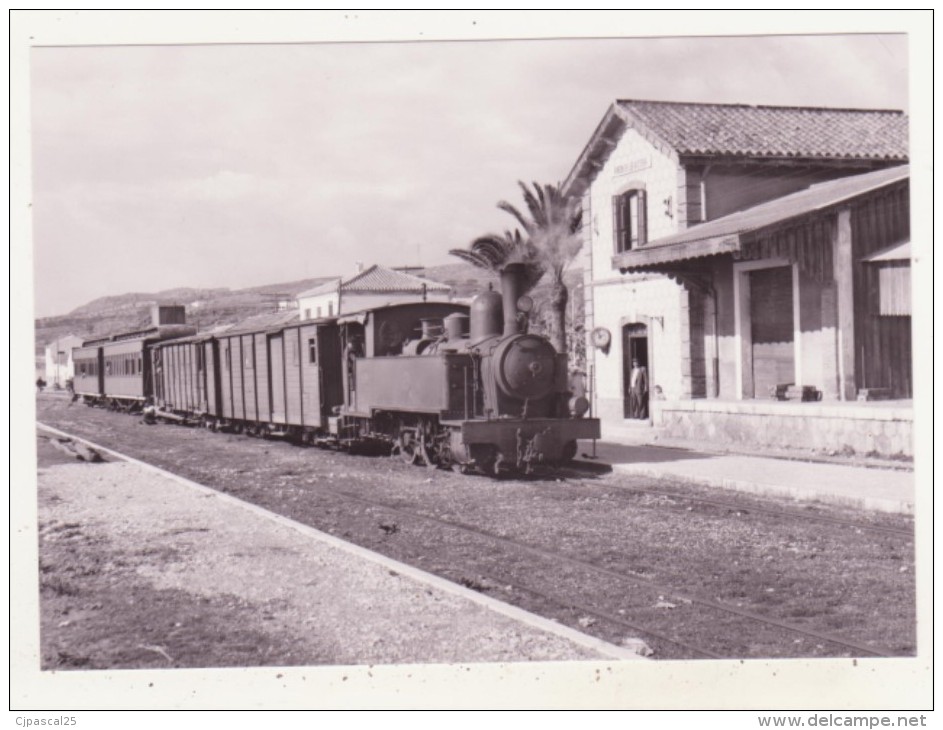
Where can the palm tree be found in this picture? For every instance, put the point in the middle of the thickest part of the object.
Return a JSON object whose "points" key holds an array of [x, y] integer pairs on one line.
{"points": [[492, 252], [553, 229]]}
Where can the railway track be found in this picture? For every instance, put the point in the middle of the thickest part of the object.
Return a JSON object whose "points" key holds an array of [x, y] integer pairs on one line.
{"points": [[606, 573], [537, 586], [756, 505]]}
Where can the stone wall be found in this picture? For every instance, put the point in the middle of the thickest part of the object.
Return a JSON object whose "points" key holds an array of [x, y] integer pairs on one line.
{"points": [[834, 429], [656, 303]]}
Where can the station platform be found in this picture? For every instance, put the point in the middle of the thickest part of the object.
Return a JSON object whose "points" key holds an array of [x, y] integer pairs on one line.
{"points": [[876, 485]]}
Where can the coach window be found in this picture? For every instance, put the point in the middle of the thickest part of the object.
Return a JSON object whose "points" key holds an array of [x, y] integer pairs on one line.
{"points": [[330, 309], [312, 351], [629, 220], [319, 312], [108, 366], [293, 349], [226, 357]]}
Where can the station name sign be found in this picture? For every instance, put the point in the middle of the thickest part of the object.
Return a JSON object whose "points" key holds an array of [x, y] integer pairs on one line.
{"points": [[626, 168]]}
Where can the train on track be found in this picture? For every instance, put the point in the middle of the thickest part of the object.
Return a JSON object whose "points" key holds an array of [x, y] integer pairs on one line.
{"points": [[438, 383]]}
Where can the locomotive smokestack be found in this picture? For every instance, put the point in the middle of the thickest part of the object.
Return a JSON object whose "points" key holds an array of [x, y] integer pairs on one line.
{"points": [[512, 277]]}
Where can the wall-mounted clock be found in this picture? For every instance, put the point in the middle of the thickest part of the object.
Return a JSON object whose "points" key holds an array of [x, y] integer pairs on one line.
{"points": [[601, 338]]}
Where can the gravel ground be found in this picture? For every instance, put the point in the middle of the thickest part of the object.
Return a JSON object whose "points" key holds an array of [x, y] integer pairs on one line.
{"points": [[138, 570], [843, 580]]}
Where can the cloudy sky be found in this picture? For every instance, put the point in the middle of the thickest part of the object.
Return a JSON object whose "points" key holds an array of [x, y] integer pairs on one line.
{"points": [[236, 165]]}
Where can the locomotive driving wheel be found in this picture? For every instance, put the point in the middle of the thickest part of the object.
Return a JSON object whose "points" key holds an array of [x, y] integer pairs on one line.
{"points": [[425, 455], [408, 447], [413, 447]]}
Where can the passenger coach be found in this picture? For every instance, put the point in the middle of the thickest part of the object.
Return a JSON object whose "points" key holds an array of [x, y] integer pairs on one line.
{"points": [[116, 370]]}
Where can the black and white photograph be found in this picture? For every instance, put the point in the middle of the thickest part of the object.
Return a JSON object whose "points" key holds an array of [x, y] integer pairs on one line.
{"points": [[472, 359]]}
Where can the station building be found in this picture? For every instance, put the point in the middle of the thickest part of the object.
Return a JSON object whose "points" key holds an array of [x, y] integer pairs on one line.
{"points": [[756, 261]]}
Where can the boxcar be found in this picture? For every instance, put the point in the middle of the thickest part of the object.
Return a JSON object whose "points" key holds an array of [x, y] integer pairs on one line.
{"points": [[185, 376]]}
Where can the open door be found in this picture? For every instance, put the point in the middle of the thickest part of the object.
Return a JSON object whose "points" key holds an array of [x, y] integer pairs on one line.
{"points": [[635, 369]]}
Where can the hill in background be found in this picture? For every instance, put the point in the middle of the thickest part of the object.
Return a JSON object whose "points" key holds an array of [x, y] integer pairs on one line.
{"points": [[205, 308], [210, 307]]}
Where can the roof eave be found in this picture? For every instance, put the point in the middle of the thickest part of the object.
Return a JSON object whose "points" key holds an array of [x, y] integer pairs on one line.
{"points": [[643, 259], [700, 158]]}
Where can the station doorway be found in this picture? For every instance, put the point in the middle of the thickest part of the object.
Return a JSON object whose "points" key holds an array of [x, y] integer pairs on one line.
{"points": [[636, 369], [772, 330]]}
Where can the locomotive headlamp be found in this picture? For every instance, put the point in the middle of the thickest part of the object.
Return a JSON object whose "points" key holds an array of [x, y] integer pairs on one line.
{"points": [[525, 304]]}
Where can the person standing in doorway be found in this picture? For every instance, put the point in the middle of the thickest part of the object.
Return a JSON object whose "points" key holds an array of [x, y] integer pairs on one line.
{"points": [[638, 390]]}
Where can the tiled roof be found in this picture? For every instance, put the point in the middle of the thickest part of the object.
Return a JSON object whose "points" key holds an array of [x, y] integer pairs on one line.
{"points": [[774, 131], [722, 235], [814, 135], [378, 279]]}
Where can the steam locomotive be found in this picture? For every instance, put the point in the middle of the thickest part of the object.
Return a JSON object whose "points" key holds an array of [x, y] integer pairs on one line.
{"points": [[437, 383]]}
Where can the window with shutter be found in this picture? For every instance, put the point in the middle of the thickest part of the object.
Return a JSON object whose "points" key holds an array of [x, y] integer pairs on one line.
{"points": [[629, 220]]}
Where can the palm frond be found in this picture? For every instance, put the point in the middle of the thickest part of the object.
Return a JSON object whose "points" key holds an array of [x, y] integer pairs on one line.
{"points": [[510, 209], [538, 211], [493, 252], [471, 257]]}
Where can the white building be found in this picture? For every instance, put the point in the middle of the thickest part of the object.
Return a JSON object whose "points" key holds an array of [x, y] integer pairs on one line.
{"points": [[59, 365], [374, 286], [656, 180]]}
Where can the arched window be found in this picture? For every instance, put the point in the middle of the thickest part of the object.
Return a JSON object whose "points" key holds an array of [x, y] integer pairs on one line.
{"points": [[629, 220]]}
